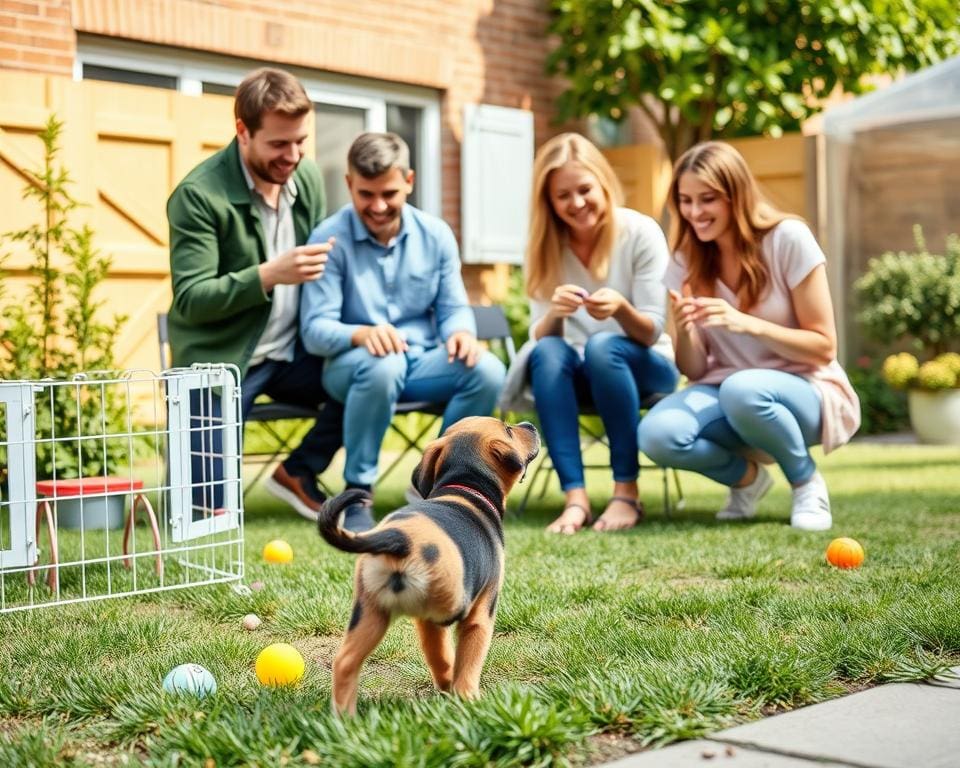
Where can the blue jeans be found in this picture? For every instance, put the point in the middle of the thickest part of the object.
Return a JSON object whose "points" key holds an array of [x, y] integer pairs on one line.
{"points": [[708, 428], [370, 387], [614, 375], [297, 382]]}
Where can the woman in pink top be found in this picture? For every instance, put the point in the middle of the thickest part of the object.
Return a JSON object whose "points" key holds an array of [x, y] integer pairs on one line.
{"points": [[755, 336]]}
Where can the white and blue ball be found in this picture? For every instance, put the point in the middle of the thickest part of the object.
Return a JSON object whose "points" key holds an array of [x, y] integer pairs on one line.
{"points": [[190, 678]]}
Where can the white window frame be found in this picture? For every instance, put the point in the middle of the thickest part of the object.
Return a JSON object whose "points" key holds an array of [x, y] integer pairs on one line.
{"points": [[194, 68]]}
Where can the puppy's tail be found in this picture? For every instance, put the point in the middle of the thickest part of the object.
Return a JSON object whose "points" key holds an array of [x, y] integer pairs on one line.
{"points": [[389, 541]]}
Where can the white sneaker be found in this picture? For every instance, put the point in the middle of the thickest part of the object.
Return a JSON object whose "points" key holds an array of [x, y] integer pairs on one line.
{"points": [[811, 506], [742, 502]]}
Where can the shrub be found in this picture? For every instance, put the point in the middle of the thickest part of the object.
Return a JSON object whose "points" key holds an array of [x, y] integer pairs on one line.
{"points": [[882, 409], [913, 297], [900, 371], [936, 374], [952, 360], [517, 308], [57, 333], [904, 371]]}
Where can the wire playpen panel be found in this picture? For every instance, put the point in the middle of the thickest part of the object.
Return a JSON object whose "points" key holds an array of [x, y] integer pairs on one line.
{"points": [[119, 484]]}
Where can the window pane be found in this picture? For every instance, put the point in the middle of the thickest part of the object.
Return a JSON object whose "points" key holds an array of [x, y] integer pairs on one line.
{"points": [[337, 127], [405, 121], [129, 76], [219, 89]]}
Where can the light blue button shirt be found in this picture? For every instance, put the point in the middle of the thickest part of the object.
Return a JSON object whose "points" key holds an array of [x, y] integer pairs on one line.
{"points": [[413, 283]]}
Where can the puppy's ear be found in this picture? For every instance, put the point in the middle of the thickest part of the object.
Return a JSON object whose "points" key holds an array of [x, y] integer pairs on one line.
{"points": [[425, 473], [506, 456]]}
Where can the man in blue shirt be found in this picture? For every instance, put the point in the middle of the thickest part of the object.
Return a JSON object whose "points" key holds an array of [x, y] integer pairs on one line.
{"points": [[391, 312]]}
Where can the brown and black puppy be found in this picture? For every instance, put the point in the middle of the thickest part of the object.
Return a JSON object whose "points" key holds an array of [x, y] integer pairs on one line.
{"points": [[439, 560]]}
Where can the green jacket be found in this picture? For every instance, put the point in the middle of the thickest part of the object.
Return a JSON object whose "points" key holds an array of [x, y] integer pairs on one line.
{"points": [[219, 307]]}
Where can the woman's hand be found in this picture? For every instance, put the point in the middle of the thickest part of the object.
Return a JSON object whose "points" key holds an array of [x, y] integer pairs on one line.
{"points": [[718, 313], [604, 303], [682, 307], [691, 353], [567, 299]]}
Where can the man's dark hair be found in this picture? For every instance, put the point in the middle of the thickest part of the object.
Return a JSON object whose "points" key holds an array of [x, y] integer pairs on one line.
{"points": [[374, 154], [269, 90]]}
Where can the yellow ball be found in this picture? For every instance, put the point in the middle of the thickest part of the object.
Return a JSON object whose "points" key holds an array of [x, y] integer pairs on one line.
{"points": [[279, 664], [278, 551]]}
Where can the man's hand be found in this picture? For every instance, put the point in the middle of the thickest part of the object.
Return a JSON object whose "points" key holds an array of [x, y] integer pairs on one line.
{"points": [[463, 345], [380, 340], [298, 265], [604, 303]]}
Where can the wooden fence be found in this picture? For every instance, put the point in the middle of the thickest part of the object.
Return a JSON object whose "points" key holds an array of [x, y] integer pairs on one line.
{"points": [[784, 167], [125, 147]]}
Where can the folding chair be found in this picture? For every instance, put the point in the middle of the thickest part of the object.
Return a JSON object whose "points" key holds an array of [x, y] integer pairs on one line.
{"points": [[492, 325], [591, 436], [267, 413]]}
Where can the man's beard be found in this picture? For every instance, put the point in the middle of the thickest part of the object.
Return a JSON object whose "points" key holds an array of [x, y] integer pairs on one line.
{"points": [[264, 172]]}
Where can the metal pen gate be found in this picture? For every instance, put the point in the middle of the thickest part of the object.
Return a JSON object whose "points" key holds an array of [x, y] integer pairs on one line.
{"points": [[119, 484]]}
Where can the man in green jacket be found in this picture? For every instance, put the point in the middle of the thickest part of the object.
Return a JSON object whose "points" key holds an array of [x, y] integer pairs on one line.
{"points": [[239, 222]]}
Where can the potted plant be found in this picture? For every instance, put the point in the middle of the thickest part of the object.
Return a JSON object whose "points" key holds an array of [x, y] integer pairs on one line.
{"points": [[933, 394], [912, 300], [55, 334]]}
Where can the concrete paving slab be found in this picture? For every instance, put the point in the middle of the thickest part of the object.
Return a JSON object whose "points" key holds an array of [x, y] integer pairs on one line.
{"points": [[704, 753], [903, 725]]}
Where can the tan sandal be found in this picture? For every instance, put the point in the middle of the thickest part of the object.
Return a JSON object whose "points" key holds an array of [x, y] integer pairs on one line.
{"points": [[557, 527], [637, 506]]}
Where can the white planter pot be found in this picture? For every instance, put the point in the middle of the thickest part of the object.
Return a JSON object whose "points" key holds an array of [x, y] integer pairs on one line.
{"points": [[935, 416]]}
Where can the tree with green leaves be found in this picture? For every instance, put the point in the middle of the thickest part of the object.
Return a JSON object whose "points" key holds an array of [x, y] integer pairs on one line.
{"points": [[703, 69]]}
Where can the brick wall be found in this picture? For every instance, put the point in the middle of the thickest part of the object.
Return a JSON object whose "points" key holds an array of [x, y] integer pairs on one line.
{"points": [[37, 36], [472, 51]]}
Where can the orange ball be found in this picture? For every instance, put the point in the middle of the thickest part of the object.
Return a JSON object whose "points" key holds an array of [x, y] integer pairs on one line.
{"points": [[845, 553]]}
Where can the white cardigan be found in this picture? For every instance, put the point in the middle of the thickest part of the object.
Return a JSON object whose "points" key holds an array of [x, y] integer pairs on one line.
{"points": [[637, 266]]}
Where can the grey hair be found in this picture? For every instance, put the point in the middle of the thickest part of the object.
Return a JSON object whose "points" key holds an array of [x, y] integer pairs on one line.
{"points": [[374, 154]]}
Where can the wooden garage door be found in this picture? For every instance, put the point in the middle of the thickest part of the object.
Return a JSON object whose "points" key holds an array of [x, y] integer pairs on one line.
{"points": [[125, 147]]}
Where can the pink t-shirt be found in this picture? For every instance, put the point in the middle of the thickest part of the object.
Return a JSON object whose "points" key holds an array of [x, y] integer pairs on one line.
{"points": [[791, 253]]}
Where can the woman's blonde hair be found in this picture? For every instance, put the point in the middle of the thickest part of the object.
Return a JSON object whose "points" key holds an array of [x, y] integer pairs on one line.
{"points": [[547, 230], [722, 168]]}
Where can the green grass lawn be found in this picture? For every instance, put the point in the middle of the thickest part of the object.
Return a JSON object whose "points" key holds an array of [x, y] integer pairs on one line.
{"points": [[605, 643]]}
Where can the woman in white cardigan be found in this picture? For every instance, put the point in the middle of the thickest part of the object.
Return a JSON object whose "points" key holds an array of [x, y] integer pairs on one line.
{"points": [[593, 276]]}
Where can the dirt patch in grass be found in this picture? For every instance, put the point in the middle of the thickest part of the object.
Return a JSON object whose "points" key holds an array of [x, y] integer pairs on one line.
{"points": [[89, 752], [855, 686], [607, 747], [319, 649], [13, 724]]}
